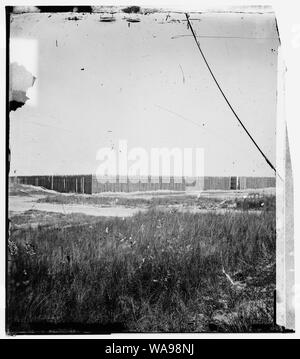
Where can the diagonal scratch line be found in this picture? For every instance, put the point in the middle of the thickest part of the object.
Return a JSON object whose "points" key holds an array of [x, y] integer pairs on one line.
{"points": [[225, 98], [183, 78], [194, 123], [178, 115]]}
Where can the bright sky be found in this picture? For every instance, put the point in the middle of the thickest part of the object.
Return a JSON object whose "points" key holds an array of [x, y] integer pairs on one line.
{"points": [[147, 84]]}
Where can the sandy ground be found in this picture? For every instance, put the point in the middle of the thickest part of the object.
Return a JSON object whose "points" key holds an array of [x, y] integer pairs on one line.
{"points": [[28, 201], [19, 204]]}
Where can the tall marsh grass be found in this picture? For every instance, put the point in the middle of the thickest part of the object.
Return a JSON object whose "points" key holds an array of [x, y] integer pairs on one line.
{"points": [[156, 271]]}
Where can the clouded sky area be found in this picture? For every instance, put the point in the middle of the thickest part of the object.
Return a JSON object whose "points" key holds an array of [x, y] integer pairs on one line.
{"points": [[101, 82]]}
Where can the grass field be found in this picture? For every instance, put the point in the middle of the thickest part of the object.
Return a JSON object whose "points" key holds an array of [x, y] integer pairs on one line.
{"points": [[158, 271], [247, 202]]}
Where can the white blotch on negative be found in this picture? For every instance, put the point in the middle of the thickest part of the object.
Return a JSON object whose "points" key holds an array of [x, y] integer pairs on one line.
{"points": [[25, 52]]}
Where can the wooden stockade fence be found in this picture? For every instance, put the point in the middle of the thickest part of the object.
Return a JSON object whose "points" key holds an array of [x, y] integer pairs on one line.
{"points": [[91, 184], [146, 183], [237, 183], [64, 184]]}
